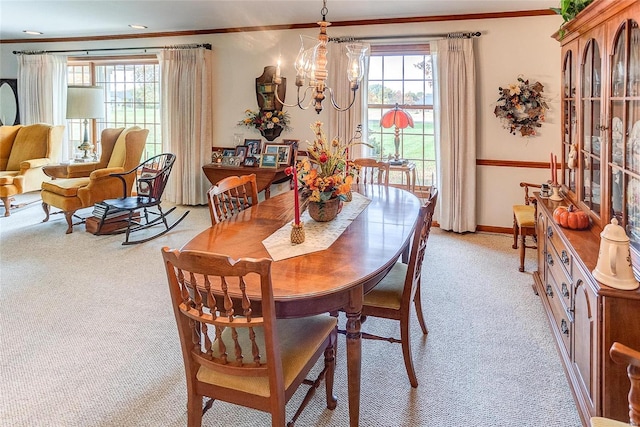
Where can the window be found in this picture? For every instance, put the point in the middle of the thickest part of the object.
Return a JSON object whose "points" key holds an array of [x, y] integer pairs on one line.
{"points": [[132, 96], [403, 74]]}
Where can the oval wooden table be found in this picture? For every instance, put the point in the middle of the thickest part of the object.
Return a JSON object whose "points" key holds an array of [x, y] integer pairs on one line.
{"points": [[328, 280]]}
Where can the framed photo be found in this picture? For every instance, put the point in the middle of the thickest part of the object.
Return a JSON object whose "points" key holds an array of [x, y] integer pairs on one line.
{"points": [[282, 151], [253, 147], [269, 160], [249, 162], [216, 155], [228, 152], [241, 151], [231, 161], [294, 149]]}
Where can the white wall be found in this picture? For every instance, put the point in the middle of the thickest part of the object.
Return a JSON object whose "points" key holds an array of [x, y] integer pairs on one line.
{"points": [[507, 48]]}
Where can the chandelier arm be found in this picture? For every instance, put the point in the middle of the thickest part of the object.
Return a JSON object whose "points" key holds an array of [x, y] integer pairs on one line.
{"points": [[334, 103], [300, 101]]}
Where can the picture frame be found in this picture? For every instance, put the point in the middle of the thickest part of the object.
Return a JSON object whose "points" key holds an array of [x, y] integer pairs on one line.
{"points": [[269, 160], [216, 155], [231, 161], [283, 152], [253, 147], [228, 152], [241, 151], [250, 162], [294, 143]]}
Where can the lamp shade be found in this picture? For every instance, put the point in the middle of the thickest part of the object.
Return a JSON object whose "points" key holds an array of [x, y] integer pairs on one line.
{"points": [[85, 102], [396, 117]]}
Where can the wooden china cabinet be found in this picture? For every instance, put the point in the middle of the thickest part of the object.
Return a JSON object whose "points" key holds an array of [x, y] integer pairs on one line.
{"points": [[600, 104]]}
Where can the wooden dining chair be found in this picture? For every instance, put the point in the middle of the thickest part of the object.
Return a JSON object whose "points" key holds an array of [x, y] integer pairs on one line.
{"points": [[623, 355], [231, 195], [235, 354], [393, 296], [372, 171], [524, 222]]}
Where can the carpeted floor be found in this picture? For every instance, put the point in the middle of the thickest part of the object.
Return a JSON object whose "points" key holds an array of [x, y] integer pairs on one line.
{"points": [[88, 338]]}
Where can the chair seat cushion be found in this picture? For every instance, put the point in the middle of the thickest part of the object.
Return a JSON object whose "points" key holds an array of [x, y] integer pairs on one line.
{"points": [[65, 187], [298, 340], [605, 422], [388, 293], [525, 215], [6, 177]]}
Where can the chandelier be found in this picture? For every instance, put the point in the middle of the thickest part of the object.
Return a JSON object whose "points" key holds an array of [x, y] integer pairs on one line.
{"points": [[311, 69]]}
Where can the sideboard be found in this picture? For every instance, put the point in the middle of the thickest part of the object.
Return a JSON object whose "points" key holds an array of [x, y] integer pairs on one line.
{"points": [[264, 176], [586, 317]]}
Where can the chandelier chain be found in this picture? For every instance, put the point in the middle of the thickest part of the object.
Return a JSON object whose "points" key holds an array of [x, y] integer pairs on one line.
{"points": [[324, 10]]}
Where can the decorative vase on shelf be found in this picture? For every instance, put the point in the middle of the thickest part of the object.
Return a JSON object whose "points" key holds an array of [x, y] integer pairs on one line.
{"points": [[271, 134], [325, 211]]}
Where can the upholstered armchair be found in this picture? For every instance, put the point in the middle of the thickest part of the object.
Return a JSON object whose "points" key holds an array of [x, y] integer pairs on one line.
{"points": [[81, 185], [24, 150]]}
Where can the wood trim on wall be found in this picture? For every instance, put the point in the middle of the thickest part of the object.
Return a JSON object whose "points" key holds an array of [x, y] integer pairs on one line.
{"points": [[539, 12], [513, 164]]}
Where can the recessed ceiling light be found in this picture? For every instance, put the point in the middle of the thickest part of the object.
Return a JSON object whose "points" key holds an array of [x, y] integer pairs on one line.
{"points": [[138, 26], [35, 33]]}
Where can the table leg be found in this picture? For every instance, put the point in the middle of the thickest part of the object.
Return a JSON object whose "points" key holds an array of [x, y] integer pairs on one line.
{"points": [[354, 354]]}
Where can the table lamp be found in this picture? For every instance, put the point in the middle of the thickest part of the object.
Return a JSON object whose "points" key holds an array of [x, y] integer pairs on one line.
{"points": [[400, 119], [85, 102]]}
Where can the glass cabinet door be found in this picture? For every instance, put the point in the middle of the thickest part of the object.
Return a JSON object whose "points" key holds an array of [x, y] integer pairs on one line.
{"points": [[591, 127], [569, 119], [624, 155]]}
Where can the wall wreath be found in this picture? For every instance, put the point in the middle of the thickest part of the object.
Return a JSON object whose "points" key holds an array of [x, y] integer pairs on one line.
{"points": [[521, 107]]}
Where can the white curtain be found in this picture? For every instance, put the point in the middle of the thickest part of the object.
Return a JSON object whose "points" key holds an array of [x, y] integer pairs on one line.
{"points": [[455, 105], [344, 123], [186, 100], [42, 92]]}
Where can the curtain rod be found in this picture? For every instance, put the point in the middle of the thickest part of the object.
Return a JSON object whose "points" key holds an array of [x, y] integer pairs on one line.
{"points": [[347, 39], [182, 46]]}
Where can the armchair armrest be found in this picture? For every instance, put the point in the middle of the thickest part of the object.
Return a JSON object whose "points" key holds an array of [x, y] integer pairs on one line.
{"points": [[74, 170], [33, 163], [105, 173]]}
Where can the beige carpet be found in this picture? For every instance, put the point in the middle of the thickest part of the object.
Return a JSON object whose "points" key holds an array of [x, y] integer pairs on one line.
{"points": [[88, 338]]}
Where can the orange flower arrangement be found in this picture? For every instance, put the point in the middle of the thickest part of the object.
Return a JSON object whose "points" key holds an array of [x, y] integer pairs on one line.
{"points": [[326, 173]]}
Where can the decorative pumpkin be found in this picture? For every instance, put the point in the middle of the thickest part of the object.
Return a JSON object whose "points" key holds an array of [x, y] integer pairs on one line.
{"points": [[570, 217]]}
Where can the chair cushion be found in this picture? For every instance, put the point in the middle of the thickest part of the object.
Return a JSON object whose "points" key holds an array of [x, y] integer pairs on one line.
{"points": [[65, 187], [605, 422], [298, 340], [6, 177], [525, 215], [119, 153], [388, 293], [31, 143]]}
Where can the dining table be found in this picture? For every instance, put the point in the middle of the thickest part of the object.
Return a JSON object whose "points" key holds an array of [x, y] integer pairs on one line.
{"points": [[329, 280]]}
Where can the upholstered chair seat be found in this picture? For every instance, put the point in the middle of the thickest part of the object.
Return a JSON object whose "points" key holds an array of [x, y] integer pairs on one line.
{"points": [[78, 186], [24, 150]]}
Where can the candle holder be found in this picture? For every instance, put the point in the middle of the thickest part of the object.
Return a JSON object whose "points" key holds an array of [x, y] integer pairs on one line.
{"points": [[297, 233], [555, 196]]}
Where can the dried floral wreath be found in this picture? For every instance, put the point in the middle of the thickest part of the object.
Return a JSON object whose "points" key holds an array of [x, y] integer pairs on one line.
{"points": [[521, 107]]}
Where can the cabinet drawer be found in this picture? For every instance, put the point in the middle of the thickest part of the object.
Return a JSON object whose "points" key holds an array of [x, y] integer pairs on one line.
{"points": [[562, 254], [560, 275], [561, 318]]}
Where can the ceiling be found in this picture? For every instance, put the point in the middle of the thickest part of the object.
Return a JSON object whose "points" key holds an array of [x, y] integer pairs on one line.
{"points": [[57, 19]]}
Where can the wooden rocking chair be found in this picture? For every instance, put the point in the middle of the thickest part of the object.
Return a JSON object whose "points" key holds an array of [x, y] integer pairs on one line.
{"points": [[150, 181]]}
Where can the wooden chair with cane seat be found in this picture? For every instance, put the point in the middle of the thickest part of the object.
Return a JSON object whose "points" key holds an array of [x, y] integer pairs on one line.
{"points": [[524, 222], [231, 195], [393, 297], [235, 354], [624, 355], [372, 171]]}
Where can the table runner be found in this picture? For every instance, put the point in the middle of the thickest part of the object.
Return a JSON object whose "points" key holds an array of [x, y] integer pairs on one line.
{"points": [[318, 235]]}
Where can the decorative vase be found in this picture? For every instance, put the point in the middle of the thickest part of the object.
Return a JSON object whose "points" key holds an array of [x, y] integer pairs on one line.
{"points": [[325, 211], [297, 233], [271, 134]]}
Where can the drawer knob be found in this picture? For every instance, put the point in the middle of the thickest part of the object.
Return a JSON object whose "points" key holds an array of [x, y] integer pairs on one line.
{"points": [[564, 257], [549, 259], [565, 290], [564, 328], [549, 231], [549, 291]]}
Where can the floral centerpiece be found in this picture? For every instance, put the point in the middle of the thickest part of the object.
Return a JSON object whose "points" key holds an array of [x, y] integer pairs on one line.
{"points": [[521, 107], [326, 174]]}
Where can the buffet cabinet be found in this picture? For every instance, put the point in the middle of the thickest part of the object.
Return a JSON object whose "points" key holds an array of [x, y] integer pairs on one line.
{"points": [[586, 317], [600, 174]]}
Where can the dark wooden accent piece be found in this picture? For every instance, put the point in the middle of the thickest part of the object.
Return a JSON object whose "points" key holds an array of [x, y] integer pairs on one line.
{"points": [[302, 284], [92, 224], [264, 176], [522, 229], [586, 317]]}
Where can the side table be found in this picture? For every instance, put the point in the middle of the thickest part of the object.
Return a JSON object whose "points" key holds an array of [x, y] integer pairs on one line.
{"points": [[264, 176], [409, 170]]}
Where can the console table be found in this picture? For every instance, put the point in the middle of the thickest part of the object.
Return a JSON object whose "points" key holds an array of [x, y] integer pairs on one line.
{"points": [[264, 176], [409, 169]]}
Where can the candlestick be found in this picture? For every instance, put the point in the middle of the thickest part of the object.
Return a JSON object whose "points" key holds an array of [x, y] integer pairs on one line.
{"points": [[295, 195]]}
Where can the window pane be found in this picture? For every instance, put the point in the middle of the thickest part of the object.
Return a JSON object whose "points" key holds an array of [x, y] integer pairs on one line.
{"points": [[375, 68], [393, 67]]}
